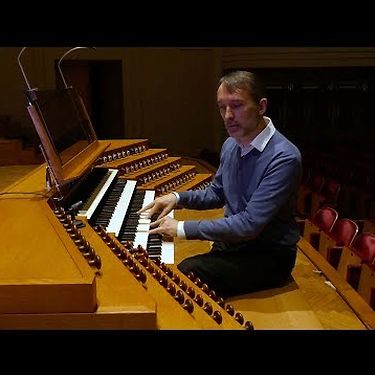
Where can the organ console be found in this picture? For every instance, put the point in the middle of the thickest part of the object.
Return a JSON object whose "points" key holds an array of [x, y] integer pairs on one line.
{"points": [[75, 255]]}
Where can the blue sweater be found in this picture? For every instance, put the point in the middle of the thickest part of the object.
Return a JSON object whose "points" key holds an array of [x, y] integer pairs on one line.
{"points": [[259, 192]]}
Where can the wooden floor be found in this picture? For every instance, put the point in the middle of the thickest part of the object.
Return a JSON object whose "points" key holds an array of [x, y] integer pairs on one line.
{"points": [[11, 173], [306, 303]]}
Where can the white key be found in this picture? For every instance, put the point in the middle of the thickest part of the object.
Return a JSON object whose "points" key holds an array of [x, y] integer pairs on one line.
{"points": [[149, 197], [167, 248], [167, 252], [118, 216], [143, 227], [141, 235], [141, 239], [100, 195]]}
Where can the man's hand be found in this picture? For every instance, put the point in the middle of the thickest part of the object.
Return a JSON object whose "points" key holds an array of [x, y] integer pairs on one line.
{"points": [[167, 227], [163, 204]]}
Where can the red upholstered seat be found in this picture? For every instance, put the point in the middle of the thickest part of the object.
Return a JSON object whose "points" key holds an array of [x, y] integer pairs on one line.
{"points": [[325, 218], [364, 246], [343, 233]]}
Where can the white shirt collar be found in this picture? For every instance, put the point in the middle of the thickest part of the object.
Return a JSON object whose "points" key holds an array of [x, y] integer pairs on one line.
{"points": [[261, 140]]}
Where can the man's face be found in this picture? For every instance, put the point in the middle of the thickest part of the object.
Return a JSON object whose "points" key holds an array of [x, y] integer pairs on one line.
{"points": [[241, 114]]}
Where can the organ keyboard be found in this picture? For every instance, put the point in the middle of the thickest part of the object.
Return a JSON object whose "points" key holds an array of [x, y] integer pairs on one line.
{"points": [[115, 207], [93, 201], [112, 202]]}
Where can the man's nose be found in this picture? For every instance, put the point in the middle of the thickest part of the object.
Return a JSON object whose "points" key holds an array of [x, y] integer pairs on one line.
{"points": [[228, 112]]}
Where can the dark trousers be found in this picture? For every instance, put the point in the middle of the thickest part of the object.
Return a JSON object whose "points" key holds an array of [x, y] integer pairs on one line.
{"points": [[232, 271]]}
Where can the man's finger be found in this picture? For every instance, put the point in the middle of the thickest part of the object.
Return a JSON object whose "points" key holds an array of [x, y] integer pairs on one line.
{"points": [[148, 213], [165, 212], [156, 223], [148, 206], [155, 231]]}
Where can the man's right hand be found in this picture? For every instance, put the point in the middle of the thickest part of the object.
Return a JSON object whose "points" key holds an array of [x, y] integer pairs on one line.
{"points": [[163, 204]]}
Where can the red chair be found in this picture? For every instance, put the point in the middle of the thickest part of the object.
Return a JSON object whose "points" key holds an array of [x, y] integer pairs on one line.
{"points": [[361, 251], [323, 220], [331, 243], [364, 246]]}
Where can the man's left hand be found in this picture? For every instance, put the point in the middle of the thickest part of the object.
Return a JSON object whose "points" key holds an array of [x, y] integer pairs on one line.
{"points": [[165, 226]]}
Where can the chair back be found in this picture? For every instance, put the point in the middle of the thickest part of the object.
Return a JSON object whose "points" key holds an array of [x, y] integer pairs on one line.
{"points": [[364, 245], [325, 218], [343, 232]]}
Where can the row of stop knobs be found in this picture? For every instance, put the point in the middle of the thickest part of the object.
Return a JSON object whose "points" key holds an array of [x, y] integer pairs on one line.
{"points": [[123, 254], [147, 161], [220, 301], [175, 286], [130, 256], [174, 183], [156, 174], [114, 155], [202, 186], [78, 238]]}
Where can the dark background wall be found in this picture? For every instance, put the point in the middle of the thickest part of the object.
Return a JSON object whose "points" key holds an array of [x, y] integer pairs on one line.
{"points": [[168, 95], [322, 104]]}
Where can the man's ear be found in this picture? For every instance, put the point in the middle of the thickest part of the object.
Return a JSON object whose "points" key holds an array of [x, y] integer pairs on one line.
{"points": [[263, 106]]}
